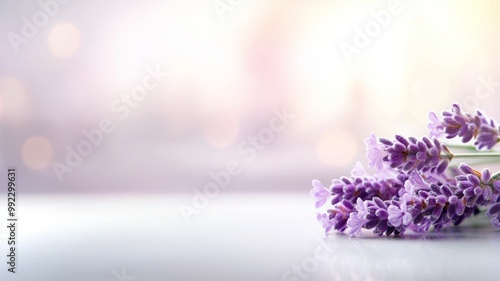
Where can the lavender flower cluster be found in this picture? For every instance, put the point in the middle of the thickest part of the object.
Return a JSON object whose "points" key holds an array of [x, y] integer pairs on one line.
{"points": [[411, 188]]}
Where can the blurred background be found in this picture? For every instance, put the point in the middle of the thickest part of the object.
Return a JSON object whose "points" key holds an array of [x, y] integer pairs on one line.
{"points": [[237, 70], [126, 119]]}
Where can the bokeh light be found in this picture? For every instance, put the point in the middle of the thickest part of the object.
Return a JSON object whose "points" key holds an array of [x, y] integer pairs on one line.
{"points": [[220, 131], [336, 148], [37, 152], [12, 97], [64, 40], [12, 91]]}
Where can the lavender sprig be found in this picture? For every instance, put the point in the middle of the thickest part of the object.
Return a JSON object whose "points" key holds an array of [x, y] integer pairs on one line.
{"points": [[345, 192], [417, 206], [411, 189], [406, 154], [466, 126]]}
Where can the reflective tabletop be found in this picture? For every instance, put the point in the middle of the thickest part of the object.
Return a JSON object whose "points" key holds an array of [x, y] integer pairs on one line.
{"points": [[234, 237]]}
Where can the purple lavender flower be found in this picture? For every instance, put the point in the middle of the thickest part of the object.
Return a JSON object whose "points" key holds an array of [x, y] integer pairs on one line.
{"points": [[477, 188], [410, 189], [412, 154], [456, 206], [393, 205], [375, 216], [435, 127], [399, 215], [372, 215], [320, 193], [494, 213], [365, 188], [361, 207], [337, 216], [374, 153], [348, 195], [488, 133], [326, 222], [456, 123], [443, 205], [415, 183], [355, 223], [420, 205]]}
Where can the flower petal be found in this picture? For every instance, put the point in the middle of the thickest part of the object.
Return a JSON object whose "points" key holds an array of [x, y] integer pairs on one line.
{"points": [[320, 193]]}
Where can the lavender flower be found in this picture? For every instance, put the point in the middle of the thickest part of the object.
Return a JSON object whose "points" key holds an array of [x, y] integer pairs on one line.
{"points": [[355, 223], [374, 153], [399, 215], [365, 188], [416, 209], [435, 127], [478, 188], [488, 133], [361, 207], [320, 193], [494, 213], [411, 189], [406, 154], [347, 196], [414, 183], [409, 202], [336, 217], [394, 205], [456, 123], [326, 222]]}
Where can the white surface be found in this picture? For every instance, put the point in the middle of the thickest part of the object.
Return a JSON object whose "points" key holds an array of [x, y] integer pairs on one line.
{"points": [[237, 237]]}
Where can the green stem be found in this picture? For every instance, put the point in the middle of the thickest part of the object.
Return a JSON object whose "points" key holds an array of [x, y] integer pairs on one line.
{"points": [[483, 155], [461, 146], [483, 161], [475, 155]]}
